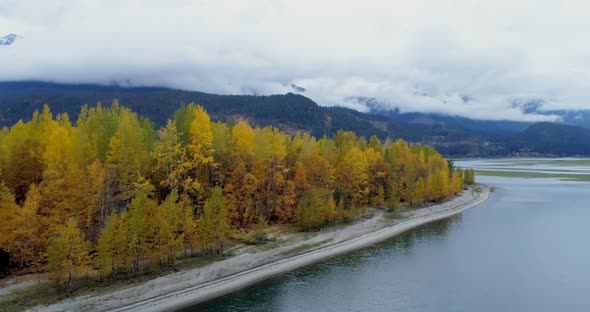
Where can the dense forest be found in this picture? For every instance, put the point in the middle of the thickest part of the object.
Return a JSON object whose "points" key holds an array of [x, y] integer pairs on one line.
{"points": [[110, 194]]}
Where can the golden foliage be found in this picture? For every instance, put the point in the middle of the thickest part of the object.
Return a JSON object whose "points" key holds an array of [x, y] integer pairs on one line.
{"points": [[143, 197]]}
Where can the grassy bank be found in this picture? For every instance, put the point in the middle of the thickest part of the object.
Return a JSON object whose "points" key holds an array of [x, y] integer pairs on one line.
{"points": [[41, 294], [532, 175]]}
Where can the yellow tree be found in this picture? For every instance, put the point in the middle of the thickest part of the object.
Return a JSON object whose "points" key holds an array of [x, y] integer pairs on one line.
{"points": [[122, 240], [200, 150], [378, 173], [376, 144], [67, 188], [128, 155], [27, 231], [469, 176], [19, 230], [270, 170], [318, 169], [137, 225], [419, 193], [96, 211], [81, 202], [59, 201], [22, 158], [68, 254], [97, 125], [241, 184], [240, 194], [352, 179], [164, 225], [344, 142], [8, 211], [105, 246], [438, 169], [242, 140], [188, 225], [222, 153], [284, 207], [300, 180], [430, 191], [213, 225], [409, 170], [170, 158], [183, 118], [221, 140], [443, 176], [316, 207], [456, 182]]}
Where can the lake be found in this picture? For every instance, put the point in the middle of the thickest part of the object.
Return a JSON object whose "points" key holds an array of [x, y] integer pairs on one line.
{"points": [[522, 250]]}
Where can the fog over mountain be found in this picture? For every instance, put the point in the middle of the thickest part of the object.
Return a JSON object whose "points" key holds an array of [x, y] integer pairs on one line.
{"points": [[481, 60]]}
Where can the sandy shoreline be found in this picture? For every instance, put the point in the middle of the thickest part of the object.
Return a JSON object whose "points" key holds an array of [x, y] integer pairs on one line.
{"points": [[193, 286]]}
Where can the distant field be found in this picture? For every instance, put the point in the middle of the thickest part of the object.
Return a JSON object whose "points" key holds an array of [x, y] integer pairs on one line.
{"points": [[526, 174], [529, 162]]}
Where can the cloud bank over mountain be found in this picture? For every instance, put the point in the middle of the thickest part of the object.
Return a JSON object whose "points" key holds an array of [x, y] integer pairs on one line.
{"points": [[481, 60]]}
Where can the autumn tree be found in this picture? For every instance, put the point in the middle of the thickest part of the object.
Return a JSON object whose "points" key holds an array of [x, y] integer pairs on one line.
{"points": [[105, 260], [22, 160], [469, 176], [183, 119], [164, 227], [270, 149], [352, 178], [68, 254], [378, 174], [319, 171], [200, 153], [241, 184], [97, 125], [316, 207], [121, 242], [138, 224], [63, 189], [170, 157], [213, 226], [418, 196], [188, 226], [456, 184], [242, 140], [240, 193], [19, 229], [96, 207], [128, 155]]}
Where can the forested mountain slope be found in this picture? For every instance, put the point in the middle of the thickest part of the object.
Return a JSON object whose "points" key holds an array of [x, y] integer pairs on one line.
{"points": [[296, 113]]}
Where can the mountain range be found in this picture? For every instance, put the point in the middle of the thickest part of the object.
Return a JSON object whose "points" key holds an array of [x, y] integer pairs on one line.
{"points": [[579, 118], [451, 135]]}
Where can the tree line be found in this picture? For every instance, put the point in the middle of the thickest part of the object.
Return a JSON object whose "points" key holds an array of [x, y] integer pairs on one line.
{"points": [[111, 193]]}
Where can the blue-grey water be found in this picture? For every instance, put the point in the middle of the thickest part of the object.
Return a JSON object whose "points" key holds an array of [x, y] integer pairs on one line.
{"points": [[525, 249]]}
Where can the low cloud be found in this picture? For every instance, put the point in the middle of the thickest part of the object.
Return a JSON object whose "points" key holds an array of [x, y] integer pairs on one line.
{"points": [[458, 57]]}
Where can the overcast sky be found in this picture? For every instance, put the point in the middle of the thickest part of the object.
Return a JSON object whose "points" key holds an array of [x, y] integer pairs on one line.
{"points": [[471, 58]]}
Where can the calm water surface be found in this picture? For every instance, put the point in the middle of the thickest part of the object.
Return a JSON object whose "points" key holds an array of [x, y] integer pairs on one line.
{"points": [[525, 249]]}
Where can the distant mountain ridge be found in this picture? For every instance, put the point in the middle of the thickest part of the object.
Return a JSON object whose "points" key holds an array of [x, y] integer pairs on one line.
{"points": [[452, 136], [554, 139], [580, 118]]}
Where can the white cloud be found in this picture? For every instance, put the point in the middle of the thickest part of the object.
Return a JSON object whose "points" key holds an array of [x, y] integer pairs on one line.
{"points": [[418, 55]]}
